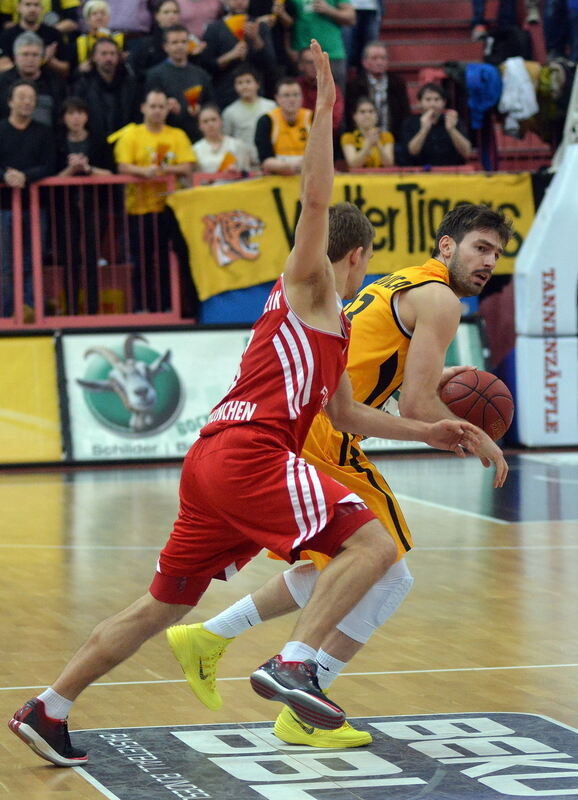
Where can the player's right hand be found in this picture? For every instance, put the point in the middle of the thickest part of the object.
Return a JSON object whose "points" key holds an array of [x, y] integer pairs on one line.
{"points": [[456, 435], [489, 453]]}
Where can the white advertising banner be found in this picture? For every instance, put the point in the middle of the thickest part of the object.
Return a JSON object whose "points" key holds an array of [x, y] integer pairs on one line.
{"points": [[547, 390], [546, 272], [140, 396], [145, 396]]}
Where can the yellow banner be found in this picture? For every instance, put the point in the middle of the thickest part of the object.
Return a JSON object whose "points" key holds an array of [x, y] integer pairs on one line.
{"points": [[239, 234], [29, 409]]}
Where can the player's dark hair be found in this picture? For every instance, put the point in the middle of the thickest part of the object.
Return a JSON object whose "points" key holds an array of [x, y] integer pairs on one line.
{"points": [[348, 228], [468, 217]]}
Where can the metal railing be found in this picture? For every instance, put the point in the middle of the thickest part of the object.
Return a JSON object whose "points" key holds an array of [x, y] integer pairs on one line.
{"points": [[74, 257]]}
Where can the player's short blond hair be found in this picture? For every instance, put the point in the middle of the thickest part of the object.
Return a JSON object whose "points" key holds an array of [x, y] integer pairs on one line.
{"points": [[349, 228]]}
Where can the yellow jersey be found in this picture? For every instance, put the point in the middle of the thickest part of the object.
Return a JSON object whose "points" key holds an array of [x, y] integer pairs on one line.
{"points": [[138, 146], [377, 352], [357, 139], [290, 140]]}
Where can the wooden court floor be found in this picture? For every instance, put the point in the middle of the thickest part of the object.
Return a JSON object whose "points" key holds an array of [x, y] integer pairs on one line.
{"points": [[490, 624]]}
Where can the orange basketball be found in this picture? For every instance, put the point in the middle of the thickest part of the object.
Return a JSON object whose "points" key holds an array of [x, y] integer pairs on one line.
{"points": [[482, 399]]}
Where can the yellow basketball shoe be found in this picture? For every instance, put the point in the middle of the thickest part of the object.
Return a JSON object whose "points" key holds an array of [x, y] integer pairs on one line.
{"points": [[197, 651], [290, 729]]}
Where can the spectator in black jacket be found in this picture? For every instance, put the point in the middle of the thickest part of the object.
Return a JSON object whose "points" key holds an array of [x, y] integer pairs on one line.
{"points": [[30, 13], [27, 154], [50, 89], [435, 137], [386, 90], [80, 154], [111, 92]]}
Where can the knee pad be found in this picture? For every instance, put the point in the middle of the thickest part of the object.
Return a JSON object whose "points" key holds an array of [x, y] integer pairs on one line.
{"points": [[378, 604], [301, 581]]}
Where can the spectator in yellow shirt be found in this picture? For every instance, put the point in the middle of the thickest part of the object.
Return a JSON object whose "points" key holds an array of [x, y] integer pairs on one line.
{"points": [[367, 145], [150, 151]]}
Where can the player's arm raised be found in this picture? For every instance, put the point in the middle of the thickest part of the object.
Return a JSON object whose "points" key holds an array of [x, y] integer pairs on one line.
{"points": [[308, 262], [346, 414]]}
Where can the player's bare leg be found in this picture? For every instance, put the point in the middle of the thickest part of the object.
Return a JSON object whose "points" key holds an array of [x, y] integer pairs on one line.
{"points": [[110, 643], [114, 640]]}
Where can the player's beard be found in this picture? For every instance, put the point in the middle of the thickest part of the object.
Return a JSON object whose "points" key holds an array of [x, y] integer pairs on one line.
{"points": [[460, 278]]}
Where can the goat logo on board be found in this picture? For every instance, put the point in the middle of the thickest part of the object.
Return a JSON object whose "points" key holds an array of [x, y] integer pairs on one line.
{"points": [[132, 390]]}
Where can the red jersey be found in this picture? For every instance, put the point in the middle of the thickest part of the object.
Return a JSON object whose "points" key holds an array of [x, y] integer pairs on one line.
{"points": [[288, 372]]}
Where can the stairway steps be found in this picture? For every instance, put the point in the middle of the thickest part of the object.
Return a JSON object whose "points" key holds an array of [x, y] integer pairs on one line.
{"points": [[426, 32], [448, 9], [436, 50]]}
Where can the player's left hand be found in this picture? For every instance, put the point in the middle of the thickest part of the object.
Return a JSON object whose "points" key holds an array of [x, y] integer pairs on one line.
{"points": [[455, 435]]}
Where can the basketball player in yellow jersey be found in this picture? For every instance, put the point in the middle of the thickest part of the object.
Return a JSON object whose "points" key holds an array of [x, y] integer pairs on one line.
{"points": [[401, 327]]}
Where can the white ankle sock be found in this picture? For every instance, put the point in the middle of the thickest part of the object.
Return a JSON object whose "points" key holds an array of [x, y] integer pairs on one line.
{"points": [[328, 668], [234, 620], [297, 651], [57, 706]]}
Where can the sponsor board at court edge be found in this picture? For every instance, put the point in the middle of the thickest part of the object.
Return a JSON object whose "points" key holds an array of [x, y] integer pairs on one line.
{"points": [[29, 413], [240, 235], [473, 756], [145, 395]]}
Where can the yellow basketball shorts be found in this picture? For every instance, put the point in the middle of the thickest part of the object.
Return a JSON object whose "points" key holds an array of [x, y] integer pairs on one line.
{"points": [[351, 467]]}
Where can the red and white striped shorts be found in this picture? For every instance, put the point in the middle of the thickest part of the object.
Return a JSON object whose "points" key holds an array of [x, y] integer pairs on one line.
{"points": [[240, 492]]}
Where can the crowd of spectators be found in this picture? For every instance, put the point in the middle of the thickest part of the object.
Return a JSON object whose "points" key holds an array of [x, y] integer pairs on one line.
{"points": [[246, 61], [234, 78]]}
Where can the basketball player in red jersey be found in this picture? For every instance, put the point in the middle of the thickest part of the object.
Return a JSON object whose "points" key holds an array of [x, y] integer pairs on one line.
{"points": [[243, 486]]}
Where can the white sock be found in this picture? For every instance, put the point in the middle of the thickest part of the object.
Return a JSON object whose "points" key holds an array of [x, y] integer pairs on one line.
{"points": [[234, 620], [297, 651], [328, 668], [57, 706]]}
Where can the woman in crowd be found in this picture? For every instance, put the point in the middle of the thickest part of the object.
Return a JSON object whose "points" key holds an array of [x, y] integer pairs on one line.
{"points": [[367, 145], [79, 154], [217, 152]]}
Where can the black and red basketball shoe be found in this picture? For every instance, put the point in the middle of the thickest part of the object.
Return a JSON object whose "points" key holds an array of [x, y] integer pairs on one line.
{"points": [[295, 684], [48, 737]]}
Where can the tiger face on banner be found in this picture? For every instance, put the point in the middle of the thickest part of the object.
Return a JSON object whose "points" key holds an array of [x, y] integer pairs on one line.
{"points": [[231, 235]]}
